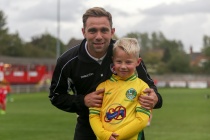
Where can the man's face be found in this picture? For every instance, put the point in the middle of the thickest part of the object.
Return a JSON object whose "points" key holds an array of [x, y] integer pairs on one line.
{"points": [[98, 33]]}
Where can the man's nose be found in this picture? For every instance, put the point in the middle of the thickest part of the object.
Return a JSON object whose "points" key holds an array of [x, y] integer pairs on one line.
{"points": [[98, 35]]}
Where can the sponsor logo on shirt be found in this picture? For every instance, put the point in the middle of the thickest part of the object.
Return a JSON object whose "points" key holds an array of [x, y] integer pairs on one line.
{"points": [[87, 75], [115, 113]]}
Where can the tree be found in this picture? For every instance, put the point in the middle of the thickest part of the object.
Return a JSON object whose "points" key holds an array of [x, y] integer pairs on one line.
{"points": [[206, 52], [3, 28], [206, 41], [46, 43], [179, 63], [158, 52], [169, 48], [206, 45], [12, 45], [3, 31]]}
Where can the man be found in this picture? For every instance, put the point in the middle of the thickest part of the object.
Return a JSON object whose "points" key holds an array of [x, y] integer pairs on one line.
{"points": [[84, 66]]}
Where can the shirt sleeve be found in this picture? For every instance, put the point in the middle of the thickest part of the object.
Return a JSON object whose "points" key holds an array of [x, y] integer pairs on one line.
{"points": [[135, 126], [97, 127], [96, 123], [138, 124]]}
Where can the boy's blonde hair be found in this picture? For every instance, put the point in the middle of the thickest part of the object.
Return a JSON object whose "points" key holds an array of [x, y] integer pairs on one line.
{"points": [[129, 45]]}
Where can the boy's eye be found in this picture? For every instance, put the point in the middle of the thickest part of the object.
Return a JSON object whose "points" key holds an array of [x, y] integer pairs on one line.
{"points": [[118, 61], [128, 62]]}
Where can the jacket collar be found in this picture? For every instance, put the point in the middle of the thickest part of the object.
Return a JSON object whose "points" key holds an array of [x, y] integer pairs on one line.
{"points": [[86, 58]]}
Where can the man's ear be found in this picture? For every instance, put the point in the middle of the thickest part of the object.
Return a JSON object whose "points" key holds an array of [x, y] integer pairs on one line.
{"points": [[139, 61], [83, 32], [112, 31]]}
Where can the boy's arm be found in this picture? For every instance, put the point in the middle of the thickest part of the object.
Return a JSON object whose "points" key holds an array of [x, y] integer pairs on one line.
{"points": [[97, 126], [95, 120], [136, 125]]}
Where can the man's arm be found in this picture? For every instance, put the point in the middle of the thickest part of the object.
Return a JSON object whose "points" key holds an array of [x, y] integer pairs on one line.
{"points": [[154, 99], [148, 102], [59, 95]]}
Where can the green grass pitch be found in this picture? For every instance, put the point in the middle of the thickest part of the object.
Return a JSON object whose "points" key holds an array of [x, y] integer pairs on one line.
{"points": [[185, 115]]}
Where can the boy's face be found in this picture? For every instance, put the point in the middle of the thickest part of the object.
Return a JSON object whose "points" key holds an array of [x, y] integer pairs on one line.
{"points": [[125, 64], [98, 33]]}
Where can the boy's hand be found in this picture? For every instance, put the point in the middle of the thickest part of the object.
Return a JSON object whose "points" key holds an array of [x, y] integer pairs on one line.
{"points": [[113, 136]]}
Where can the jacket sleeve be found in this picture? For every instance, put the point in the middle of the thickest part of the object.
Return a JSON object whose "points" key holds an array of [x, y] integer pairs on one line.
{"points": [[143, 74], [59, 95]]}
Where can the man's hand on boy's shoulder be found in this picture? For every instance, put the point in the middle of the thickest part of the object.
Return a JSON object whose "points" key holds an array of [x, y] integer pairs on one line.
{"points": [[149, 100]]}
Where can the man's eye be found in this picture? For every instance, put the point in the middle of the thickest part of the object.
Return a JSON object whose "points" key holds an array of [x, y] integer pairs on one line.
{"points": [[104, 30], [92, 30]]}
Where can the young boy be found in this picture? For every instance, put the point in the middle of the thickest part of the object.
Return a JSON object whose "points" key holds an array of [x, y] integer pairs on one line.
{"points": [[121, 116]]}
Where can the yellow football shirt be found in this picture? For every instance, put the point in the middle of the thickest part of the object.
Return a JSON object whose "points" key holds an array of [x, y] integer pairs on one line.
{"points": [[120, 112]]}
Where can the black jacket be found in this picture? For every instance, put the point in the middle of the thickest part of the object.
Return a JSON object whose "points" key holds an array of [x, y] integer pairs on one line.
{"points": [[76, 71]]}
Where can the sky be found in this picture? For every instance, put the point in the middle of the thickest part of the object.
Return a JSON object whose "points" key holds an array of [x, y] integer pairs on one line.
{"points": [[181, 20]]}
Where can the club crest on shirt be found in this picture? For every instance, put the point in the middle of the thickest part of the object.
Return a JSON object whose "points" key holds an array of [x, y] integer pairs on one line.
{"points": [[131, 94]]}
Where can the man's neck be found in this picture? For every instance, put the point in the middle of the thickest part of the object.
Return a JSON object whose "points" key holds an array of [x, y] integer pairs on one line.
{"points": [[98, 58]]}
